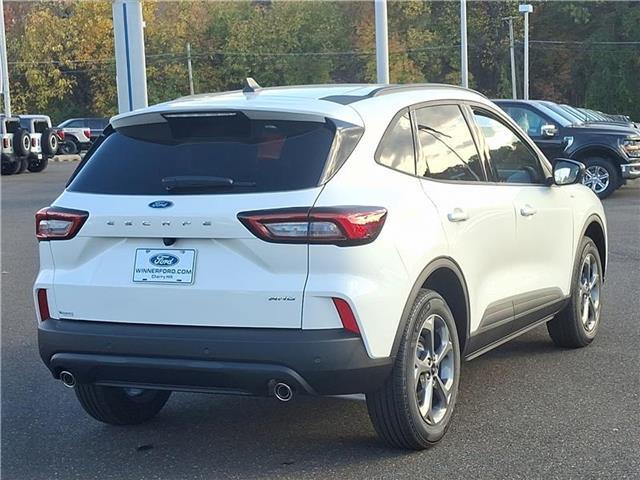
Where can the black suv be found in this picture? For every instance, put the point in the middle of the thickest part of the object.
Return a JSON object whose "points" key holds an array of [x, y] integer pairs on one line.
{"points": [[610, 152]]}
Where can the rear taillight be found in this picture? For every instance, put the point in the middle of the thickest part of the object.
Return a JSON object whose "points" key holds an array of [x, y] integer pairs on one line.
{"points": [[87, 133], [33, 142], [43, 305], [60, 134], [342, 226], [53, 223], [5, 143], [347, 317]]}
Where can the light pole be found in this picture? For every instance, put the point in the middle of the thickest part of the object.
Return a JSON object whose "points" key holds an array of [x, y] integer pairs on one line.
{"points": [[464, 61], [514, 89], [128, 35], [382, 41], [526, 10], [190, 69], [4, 68]]}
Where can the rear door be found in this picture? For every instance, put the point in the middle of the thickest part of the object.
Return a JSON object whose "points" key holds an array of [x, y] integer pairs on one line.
{"points": [[163, 244], [477, 217]]}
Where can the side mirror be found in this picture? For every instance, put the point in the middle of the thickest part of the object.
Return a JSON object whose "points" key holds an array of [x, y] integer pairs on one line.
{"points": [[567, 172], [548, 131]]}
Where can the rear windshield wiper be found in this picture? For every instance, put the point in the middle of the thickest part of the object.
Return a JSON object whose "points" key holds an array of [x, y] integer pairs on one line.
{"points": [[201, 183]]}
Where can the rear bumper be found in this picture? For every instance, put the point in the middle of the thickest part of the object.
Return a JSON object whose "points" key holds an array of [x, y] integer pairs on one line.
{"points": [[9, 157], [630, 170], [212, 359]]}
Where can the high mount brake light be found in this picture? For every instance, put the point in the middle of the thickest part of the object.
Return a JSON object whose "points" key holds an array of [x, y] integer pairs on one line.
{"points": [[54, 223], [342, 226]]}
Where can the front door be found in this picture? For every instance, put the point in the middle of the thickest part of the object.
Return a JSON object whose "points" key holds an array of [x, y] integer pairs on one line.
{"points": [[544, 221]]}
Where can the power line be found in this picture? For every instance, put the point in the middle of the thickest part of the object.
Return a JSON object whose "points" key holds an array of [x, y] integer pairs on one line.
{"points": [[182, 55], [568, 42]]}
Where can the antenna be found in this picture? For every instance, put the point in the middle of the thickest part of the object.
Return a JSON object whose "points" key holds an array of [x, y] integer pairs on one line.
{"points": [[250, 85]]}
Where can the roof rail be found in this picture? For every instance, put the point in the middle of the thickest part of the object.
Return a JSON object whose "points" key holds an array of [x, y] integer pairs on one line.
{"points": [[415, 86]]}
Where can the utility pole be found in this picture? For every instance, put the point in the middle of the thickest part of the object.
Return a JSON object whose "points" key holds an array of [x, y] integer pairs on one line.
{"points": [[464, 60], [526, 10], [4, 68], [189, 68], [514, 89], [382, 41], [131, 74]]}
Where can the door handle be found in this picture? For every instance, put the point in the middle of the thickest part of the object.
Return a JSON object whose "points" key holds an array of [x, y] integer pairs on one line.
{"points": [[528, 211], [457, 215]]}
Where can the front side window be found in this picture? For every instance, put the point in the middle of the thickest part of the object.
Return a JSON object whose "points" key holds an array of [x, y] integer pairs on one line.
{"points": [[447, 149], [511, 158], [396, 148], [527, 120], [72, 124]]}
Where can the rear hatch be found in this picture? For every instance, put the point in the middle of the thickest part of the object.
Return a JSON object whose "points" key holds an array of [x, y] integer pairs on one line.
{"points": [[162, 243]]}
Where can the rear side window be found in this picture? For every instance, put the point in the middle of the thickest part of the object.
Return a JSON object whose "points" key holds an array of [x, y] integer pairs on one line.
{"points": [[396, 148], [447, 149], [97, 123], [222, 153]]}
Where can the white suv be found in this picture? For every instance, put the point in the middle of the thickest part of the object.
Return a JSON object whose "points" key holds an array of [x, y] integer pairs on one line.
{"points": [[328, 240]]}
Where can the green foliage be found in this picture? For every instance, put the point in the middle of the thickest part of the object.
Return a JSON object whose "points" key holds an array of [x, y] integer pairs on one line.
{"points": [[61, 53]]}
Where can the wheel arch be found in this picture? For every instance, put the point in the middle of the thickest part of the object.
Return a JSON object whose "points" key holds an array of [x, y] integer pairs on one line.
{"points": [[595, 230], [444, 276], [598, 150]]}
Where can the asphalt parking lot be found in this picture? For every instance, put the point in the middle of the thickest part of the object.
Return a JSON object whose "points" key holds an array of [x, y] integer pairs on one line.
{"points": [[526, 409]]}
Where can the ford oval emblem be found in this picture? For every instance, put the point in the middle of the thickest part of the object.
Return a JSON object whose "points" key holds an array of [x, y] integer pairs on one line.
{"points": [[161, 204], [163, 260]]}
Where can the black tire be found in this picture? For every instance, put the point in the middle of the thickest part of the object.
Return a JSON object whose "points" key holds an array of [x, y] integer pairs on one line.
{"points": [[120, 406], [21, 143], [38, 164], [567, 329], [10, 167], [612, 170], [24, 164], [49, 142], [394, 409], [68, 147]]}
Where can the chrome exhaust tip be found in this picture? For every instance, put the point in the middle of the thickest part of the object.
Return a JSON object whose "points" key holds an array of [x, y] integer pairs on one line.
{"points": [[282, 392], [67, 378]]}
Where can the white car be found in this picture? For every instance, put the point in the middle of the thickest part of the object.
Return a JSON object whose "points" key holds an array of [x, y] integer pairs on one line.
{"points": [[80, 133], [324, 240], [15, 146], [44, 140]]}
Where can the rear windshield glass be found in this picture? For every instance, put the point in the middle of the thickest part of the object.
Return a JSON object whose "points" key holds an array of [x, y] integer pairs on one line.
{"points": [[216, 154]]}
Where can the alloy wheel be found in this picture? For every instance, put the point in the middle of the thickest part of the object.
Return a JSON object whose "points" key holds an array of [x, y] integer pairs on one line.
{"points": [[596, 178], [434, 369], [589, 303]]}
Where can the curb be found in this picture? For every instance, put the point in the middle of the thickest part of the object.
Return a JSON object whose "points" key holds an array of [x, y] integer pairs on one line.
{"points": [[66, 158]]}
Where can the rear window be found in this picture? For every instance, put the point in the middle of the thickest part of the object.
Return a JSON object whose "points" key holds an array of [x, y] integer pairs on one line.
{"points": [[12, 126], [200, 154]]}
